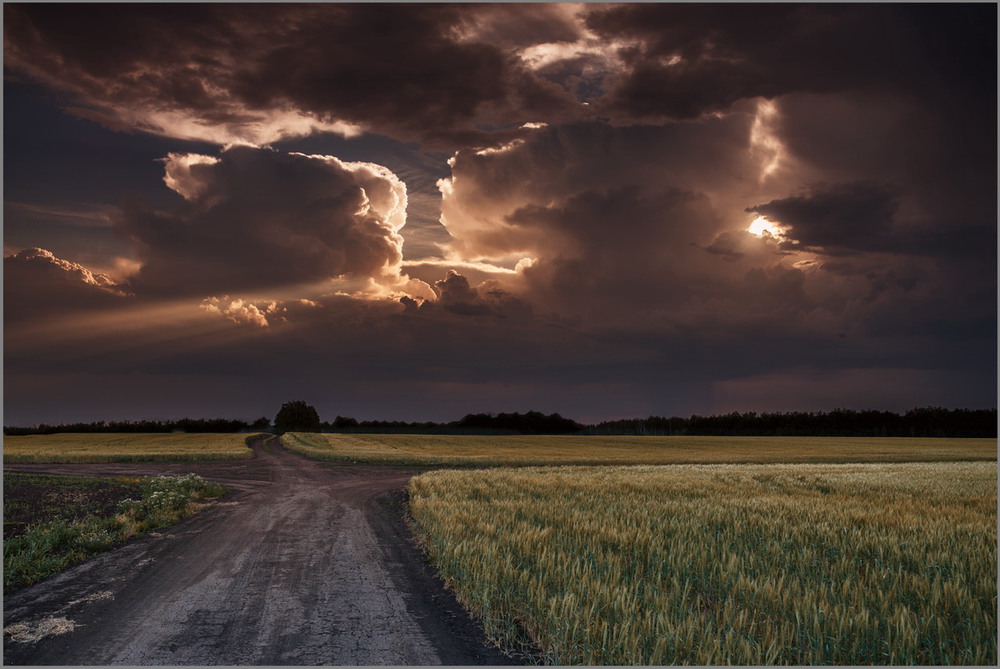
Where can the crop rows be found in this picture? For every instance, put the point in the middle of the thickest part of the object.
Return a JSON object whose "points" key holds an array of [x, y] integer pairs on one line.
{"points": [[724, 564]]}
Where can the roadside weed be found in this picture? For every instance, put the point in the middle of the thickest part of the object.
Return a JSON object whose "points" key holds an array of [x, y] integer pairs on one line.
{"points": [[50, 546]]}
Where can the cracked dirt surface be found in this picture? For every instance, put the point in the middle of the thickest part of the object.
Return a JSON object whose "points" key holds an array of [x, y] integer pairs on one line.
{"points": [[306, 563]]}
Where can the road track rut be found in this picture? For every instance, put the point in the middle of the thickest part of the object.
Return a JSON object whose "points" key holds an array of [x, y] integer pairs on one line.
{"points": [[306, 563]]}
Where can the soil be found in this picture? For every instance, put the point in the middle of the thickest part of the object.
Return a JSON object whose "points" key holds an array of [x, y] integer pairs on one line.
{"points": [[37, 499], [304, 563]]}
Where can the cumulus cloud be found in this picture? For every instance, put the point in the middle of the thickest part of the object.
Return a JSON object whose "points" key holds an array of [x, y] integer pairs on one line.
{"points": [[611, 219], [607, 162], [454, 294], [242, 312], [61, 270], [491, 195], [37, 284], [255, 218], [645, 230], [261, 313]]}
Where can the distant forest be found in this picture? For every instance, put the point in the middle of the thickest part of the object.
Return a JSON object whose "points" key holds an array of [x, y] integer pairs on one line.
{"points": [[922, 422]]}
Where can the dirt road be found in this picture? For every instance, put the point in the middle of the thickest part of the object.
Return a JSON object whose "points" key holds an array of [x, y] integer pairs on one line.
{"points": [[305, 564]]}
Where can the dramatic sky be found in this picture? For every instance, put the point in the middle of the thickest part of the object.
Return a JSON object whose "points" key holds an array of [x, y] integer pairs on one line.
{"points": [[419, 211]]}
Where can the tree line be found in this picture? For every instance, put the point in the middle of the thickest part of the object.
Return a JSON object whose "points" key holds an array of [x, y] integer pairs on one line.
{"points": [[221, 425], [299, 416], [532, 422], [920, 422]]}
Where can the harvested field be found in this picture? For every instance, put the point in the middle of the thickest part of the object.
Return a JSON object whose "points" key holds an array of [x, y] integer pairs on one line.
{"points": [[508, 450], [71, 448]]}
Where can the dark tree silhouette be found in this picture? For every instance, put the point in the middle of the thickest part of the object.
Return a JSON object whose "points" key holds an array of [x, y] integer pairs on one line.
{"points": [[296, 416]]}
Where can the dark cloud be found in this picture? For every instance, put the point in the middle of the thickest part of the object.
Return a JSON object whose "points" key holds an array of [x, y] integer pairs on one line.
{"points": [[456, 295], [685, 60], [602, 258], [834, 219], [942, 162], [838, 217], [268, 71], [444, 73], [255, 218]]}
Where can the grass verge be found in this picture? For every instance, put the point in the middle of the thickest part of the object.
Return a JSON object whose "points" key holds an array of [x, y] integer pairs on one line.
{"points": [[508, 450], [174, 447], [855, 564], [55, 541]]}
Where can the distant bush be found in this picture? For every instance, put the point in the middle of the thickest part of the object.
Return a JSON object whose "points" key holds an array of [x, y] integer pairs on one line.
{"points": [[296, 416]]}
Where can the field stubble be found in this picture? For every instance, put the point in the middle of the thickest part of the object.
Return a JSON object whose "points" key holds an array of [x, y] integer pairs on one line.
{"points": [[724, 564], [173, 447], [509, 450]]}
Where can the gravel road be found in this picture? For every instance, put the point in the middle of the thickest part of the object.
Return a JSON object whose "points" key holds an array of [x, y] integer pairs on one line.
{"points": [[305, 563]]}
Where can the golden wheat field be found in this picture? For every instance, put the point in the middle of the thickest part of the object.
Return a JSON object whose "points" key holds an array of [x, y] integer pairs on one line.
{"points": [[125, 447], [506, 450], [724, 564]]}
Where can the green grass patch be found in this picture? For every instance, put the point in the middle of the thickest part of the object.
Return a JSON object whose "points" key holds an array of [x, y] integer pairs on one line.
{"points": [[173, 447], [850, 564], [511, 450], [58, 535]]}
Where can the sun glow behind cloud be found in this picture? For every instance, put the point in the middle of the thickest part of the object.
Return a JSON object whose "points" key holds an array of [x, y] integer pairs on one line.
{"points": [[634, 180], [760, 226]]}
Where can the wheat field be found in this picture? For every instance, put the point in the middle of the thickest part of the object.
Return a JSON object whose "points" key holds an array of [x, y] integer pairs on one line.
{"points": [[68, 447], [508, 450], [723, 564]]}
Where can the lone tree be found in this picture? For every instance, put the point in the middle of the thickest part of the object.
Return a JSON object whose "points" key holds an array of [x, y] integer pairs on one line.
{"points": [[296, 416]]}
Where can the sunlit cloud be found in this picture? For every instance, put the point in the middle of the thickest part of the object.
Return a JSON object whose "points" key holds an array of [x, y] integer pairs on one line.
{"points": [[241, 312], [765, 143], [74, 271], [647, 206], [249, 127], [178, 177], [258, 218]]}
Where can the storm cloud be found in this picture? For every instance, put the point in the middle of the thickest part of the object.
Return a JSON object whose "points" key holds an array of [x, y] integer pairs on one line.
{"points": [[614, 209], [838, 217], [270, 72], [686, 60], [256, 218]]}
